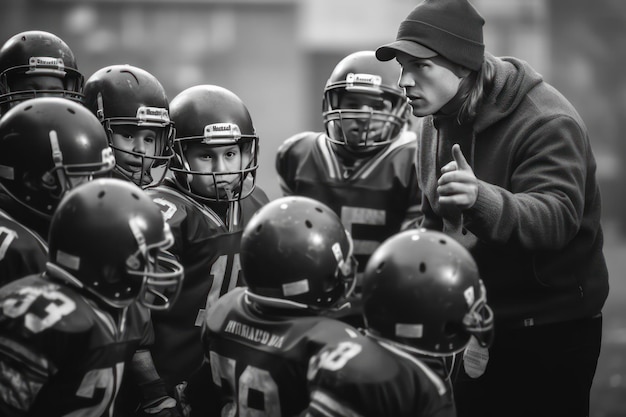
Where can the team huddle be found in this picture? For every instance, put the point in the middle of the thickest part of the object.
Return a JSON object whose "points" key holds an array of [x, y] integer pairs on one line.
{"points": [[145, 272]]}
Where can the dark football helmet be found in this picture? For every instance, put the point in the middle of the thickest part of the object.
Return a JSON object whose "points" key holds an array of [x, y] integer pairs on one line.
{"points": [[364, 109], [213, 116], [422, 289], [296, 253], [32, 54], [126, 95], [47, 146], [108, 237]]}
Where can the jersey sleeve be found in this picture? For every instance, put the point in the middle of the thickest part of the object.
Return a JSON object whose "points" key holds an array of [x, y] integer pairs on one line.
{"points": [[287, 160], [23, 372], [22, 252]]}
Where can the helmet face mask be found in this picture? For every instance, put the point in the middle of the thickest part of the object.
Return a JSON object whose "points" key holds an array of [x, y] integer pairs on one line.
{"points": [[216, 145], [364, 109], [30, 58], [306, 241], [213, 182], [43, 151], [421, 289], [136, 120], [119, 261]]}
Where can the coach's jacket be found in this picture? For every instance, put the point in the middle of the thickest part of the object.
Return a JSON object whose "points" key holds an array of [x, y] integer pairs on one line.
{"points": [[535, 228]]}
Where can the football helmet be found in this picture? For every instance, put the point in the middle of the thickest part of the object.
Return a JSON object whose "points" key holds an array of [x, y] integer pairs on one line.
{"points": [[364, 109], [47, 146], [296, 253], [127, 95], [422, 289], [108, 238], [214, 116], [37, 53]]}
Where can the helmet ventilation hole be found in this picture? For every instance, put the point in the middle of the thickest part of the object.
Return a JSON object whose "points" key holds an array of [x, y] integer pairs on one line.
{"points": [[71, 111], [422, 267], [443, 241], [101, 194], [135, 196], [319, 209], [380, 267], [308, 224]]}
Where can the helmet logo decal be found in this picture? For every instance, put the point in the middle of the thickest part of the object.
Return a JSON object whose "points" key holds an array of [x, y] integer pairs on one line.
{"points": [[46, 65], [152, 115], [341, 261], [364, 82], [296, 288], [100, 111], [469, 295], [57, 155], [413, 331], [221, 131], [108, 158], [67, 260], [133, 261]]}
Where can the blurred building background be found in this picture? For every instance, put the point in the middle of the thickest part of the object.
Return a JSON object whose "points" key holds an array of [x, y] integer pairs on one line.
{"points": [[277, 54]]}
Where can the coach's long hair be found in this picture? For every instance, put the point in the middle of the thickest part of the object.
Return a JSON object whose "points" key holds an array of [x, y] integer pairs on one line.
{"points": [[476, 84]]}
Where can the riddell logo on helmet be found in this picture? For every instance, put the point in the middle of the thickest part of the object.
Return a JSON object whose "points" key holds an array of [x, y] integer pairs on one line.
{"points": [[153, 114], [45, 61], [371, 79], [221, 130]]}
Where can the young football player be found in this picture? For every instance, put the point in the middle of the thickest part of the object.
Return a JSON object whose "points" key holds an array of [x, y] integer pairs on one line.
{"points": [[35, 63], [134, 110], [363, 165], [69, 332], [297, 259], [422, 299], [208, 198], [48, 145]]}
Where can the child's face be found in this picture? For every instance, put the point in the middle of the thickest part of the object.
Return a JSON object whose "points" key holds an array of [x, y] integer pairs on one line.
{"points": [[368, 125], [134, 146], [37, 83], [223, 162]]}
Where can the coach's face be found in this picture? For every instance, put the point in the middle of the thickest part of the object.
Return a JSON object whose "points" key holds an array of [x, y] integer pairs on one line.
{"points": [[429, 83]]}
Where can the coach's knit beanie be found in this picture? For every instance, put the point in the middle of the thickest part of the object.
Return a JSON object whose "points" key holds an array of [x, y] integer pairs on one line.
{"points": [[450, 28]]}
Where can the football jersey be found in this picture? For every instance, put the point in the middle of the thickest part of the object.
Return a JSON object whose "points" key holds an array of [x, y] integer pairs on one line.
{"points": [[209, 252], [260, 361], [369, 378], [61, 354], [22, 251], [373, 201]]}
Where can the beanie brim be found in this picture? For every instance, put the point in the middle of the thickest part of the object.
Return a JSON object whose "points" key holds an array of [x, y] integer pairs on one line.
{"points": [[388, 52]]}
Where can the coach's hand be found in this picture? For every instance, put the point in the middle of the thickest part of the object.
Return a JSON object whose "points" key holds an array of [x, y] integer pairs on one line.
{"points": [[457, 186]]}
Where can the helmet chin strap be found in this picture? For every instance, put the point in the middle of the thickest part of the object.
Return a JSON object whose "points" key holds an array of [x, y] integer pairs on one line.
{"points": [[232, 216]]}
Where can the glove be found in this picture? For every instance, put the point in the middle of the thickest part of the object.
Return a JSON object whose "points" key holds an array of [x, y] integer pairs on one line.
{"points": [[156, 402]]}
